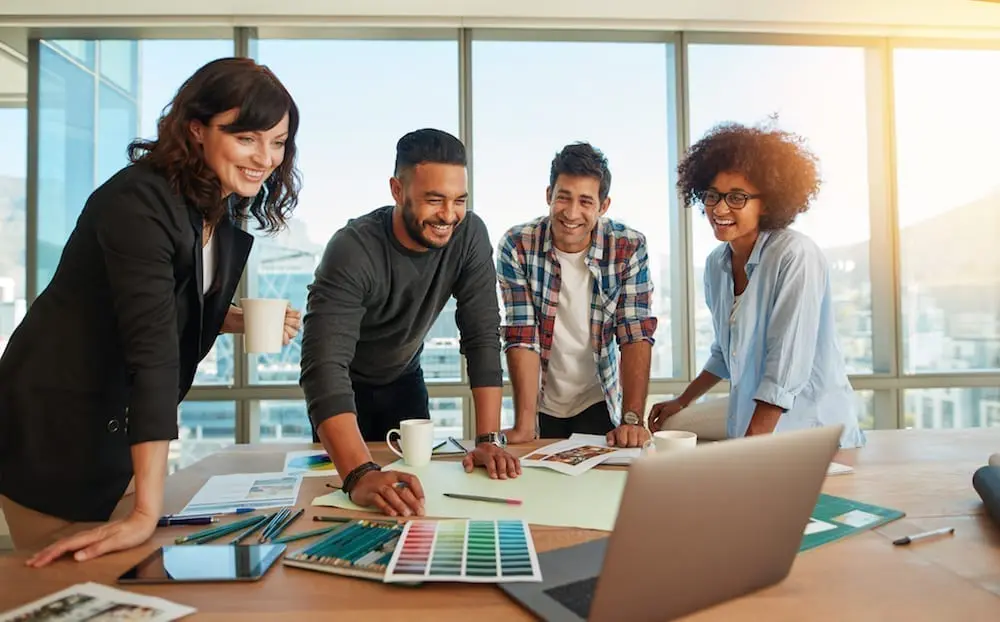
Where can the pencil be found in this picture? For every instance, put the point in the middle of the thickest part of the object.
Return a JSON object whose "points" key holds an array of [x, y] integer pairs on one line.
{"points": [[332, 519], [214, 532], [253, 528], [487, 499], [305, 534], [284, 525], [457, 444], [280, 516]]}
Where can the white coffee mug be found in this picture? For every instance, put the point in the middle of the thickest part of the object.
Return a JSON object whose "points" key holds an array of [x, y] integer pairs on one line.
{"points": [[416, 439], [670, 440], [263, 324]]}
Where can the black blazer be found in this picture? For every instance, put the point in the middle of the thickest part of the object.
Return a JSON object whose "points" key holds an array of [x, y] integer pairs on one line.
{"points": [[109, 349]]}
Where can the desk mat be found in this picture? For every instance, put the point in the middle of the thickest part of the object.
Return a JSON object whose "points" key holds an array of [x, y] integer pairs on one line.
{"points": [[836, 517]]}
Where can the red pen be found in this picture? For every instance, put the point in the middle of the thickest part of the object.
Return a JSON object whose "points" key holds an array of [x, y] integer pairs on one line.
{"points": [[487, 499]]}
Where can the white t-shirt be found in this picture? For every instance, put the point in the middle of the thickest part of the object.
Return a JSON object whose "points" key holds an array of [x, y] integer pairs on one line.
{"points": [[572, 383], [208, 261]]}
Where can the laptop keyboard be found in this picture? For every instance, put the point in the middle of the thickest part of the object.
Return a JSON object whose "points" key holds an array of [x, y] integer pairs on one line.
{"points": [[575, 596]]}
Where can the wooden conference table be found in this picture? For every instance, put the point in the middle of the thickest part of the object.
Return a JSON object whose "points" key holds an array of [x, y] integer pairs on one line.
{"points": [[927, 474]]}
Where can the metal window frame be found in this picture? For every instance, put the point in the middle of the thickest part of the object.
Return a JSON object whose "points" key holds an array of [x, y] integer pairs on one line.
{"points": [[888, 380]]}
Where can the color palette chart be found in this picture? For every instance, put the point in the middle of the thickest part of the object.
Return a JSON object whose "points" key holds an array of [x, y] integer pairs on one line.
{"points": [[469, 551]]}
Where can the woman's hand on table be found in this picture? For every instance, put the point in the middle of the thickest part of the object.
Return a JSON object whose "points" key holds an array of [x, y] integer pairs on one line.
{"points": [[119, 535]]}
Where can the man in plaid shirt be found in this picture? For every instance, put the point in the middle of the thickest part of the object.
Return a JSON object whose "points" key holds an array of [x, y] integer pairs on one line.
{"points": [[573, 283]]}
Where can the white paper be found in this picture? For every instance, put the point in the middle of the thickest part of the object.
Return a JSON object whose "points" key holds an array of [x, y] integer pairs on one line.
{"points": [[309, 463], [576, 455], [817, 526], [93, 602], [836, 468], [226, 493]]}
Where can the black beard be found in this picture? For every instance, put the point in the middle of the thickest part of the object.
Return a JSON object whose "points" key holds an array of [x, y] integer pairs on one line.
{"points": [[413, 228]]}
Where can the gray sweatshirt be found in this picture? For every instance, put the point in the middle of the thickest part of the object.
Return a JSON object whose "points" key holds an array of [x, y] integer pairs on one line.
{"points": [[373, 301]]}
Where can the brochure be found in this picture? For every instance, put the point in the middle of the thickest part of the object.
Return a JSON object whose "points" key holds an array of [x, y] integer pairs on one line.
{"points": [[576, 455]]}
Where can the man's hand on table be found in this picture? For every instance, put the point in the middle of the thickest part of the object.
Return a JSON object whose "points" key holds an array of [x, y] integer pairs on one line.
{"points": [[499, 464], [628, 436], [392, 492], [118, 535]]}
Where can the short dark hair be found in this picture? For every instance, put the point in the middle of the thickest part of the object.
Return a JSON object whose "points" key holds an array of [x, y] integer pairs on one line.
{"points": [[428, 145], [582, 160], [778, 163], [216, 87]]}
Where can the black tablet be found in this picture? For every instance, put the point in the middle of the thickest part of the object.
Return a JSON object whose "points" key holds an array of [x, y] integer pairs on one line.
{"points": [[187, 563]]}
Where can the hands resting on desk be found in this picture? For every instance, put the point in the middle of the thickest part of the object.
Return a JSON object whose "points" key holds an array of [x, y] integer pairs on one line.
{"points": [[400, 494], [117, 535]]}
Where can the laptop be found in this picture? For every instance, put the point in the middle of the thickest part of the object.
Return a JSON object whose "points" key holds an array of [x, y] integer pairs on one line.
{"points": [[695, 528]]}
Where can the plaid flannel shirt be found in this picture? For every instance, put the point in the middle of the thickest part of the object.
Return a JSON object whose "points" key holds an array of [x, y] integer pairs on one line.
{"points": [[621, 307]]}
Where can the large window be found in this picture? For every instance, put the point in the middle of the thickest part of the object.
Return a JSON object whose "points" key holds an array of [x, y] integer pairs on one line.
{"points": [[286, 421], [819, 93], [947, 178], [530, 99], [204, 428], [13, 168], [952, 408], [356, 99], [94, 99]]}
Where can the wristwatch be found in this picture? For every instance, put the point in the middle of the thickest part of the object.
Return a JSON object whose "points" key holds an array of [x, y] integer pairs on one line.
{"points": [[494, 438], [630, 418]]}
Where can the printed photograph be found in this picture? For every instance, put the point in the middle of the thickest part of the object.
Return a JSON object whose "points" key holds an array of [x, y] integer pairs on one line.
{"points": [[121, 612], [271, 488], [573, 456], [86, 608]]}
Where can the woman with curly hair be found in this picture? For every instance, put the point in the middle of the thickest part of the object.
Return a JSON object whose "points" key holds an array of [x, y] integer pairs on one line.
{"points": [[768, 289], [91, 380]]}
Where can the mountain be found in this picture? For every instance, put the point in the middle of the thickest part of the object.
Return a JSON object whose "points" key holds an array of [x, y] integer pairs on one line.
{"points": [[952, 258]]}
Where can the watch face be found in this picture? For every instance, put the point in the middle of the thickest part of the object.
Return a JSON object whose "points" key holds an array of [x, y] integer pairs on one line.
{"points": [[631, 418]]}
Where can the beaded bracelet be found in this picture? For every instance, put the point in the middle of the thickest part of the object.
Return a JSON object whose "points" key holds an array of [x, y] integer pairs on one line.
{"points": [[352, 478]]}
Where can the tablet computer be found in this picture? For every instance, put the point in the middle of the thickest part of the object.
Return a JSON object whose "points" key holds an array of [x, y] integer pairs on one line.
{"points": [[187, 563]]}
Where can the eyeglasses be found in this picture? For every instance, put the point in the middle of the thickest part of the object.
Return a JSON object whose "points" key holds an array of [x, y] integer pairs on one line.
{"points": [[734, 199]]}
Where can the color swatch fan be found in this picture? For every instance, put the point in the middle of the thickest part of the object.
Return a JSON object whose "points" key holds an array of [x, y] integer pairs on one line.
{"points": [[469, 551], [309, 463]]}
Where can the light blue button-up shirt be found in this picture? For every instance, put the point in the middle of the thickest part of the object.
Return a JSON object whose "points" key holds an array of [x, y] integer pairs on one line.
{"points": [[780, 344]]}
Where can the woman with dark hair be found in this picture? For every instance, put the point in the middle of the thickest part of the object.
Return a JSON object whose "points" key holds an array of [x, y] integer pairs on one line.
{"points": [[768, 289], [91, 380]]}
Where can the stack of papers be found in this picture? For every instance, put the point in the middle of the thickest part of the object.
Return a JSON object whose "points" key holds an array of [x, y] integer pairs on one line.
{"points": [[226, 494]]}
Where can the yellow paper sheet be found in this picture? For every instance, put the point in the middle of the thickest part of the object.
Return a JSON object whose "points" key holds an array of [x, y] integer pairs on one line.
{"points": [[587, 501]]}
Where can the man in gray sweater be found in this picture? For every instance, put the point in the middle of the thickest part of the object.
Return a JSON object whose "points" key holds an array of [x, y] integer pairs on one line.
{"points": [[383, 281]]}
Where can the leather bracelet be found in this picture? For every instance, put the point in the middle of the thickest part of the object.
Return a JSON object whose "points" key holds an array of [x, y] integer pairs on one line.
{"points": [[352, 478]]}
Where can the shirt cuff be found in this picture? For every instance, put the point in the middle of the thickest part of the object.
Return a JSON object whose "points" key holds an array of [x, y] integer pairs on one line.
{"points": [[771, 393], [717, 368]]}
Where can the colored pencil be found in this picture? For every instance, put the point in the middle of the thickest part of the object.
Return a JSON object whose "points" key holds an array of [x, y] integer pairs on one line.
{"points": [[253, 529], [214, 532], [280, 516], [487, 499], [303, 535], [332, 519], [284, 524]]}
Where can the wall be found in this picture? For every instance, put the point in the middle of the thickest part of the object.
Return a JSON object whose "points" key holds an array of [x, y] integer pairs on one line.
{"points": [[974, 15]]}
